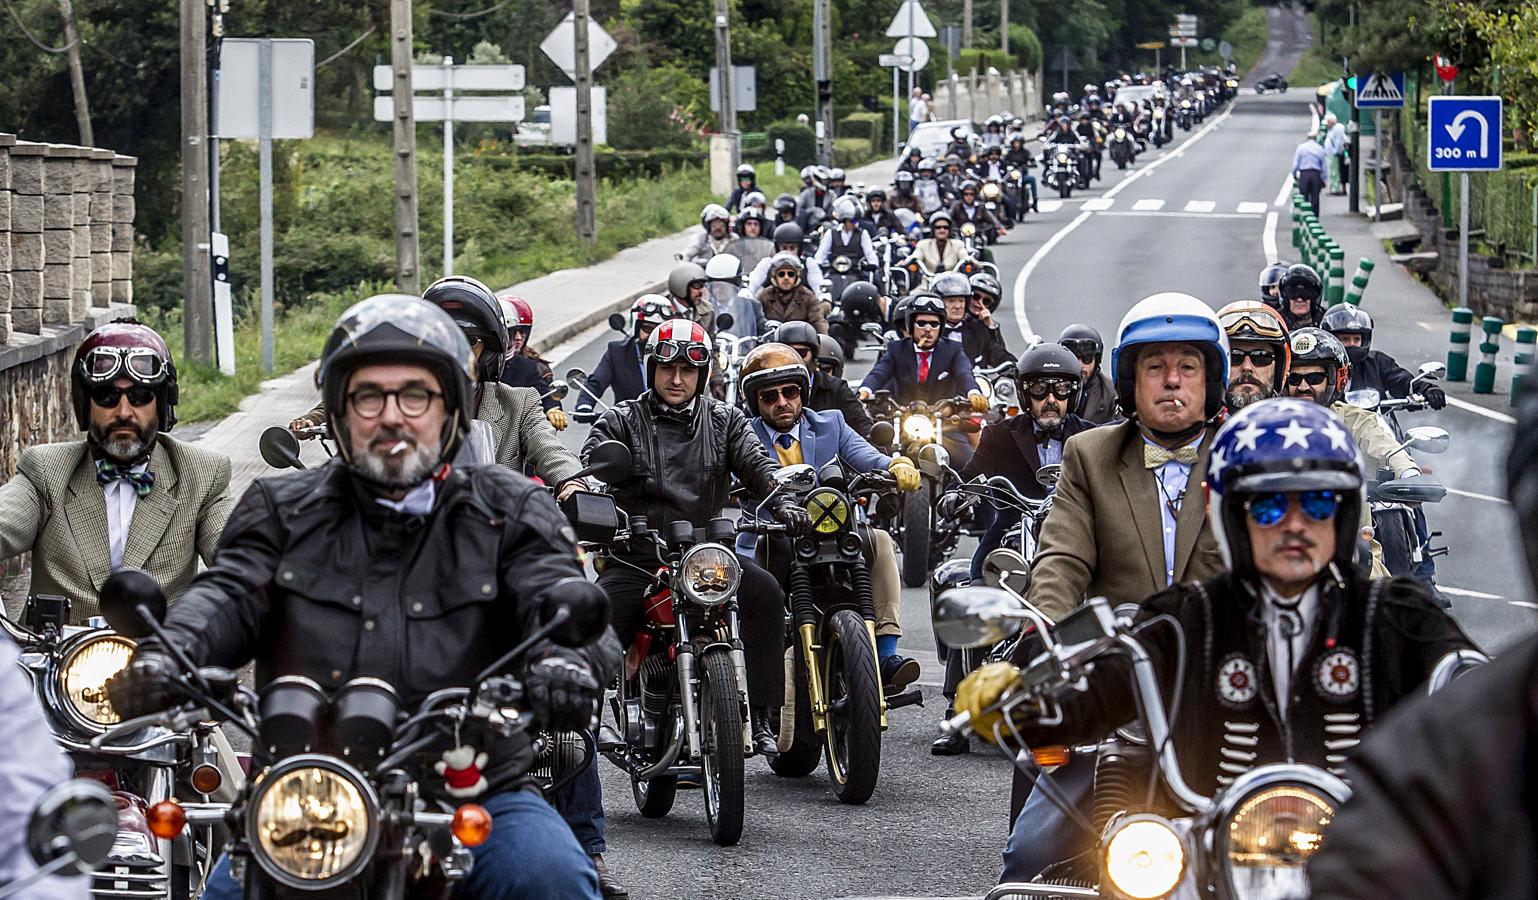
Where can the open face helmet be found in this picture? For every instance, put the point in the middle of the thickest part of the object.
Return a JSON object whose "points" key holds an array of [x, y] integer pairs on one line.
{"points": [[476, 310], [678, 340], [1170, 317], [1315, 346], [124, 348], [1251, 320]]}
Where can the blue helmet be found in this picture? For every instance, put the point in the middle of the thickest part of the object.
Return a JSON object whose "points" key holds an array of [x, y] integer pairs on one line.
{"points": [[1165, 318], [1286, 445]]}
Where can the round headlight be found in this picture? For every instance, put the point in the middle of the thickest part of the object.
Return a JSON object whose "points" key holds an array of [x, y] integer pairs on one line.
{"points": [[842, 264], [709, 574], [1144, 857], [1185, 104], [1121, 133], [1062, 157], [313, 822], [968, 229], [984, 387], [918, 429], [1269, 838], [991, 191], [82, 679], [828, 510]]}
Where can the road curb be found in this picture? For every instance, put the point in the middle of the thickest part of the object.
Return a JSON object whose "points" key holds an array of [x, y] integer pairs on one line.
{"points": [[562, 333]]}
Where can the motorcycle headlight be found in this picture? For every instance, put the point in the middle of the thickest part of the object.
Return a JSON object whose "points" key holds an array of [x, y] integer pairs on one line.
{"points": [[985, 388], [991, 191], [81, 679], [918, 429], [1274, 823], [1144, 857], [829, 511], [1062, 158], [1185, 104], [311, 822], [1158, 114], [1121, 133], [842, 264], [968, 229], [709, 574]]}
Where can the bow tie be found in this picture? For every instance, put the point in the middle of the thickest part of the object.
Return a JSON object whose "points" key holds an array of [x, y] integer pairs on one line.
{"points": [[1051, 434], [1154, 457], [108, 472]]}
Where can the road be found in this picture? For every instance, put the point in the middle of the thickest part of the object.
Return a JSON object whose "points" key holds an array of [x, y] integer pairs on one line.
{"points": [[1199, 217]]}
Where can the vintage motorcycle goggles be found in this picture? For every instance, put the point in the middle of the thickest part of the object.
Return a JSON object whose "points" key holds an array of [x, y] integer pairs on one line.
{"points": [[1038, 390], [142, 364], [1260, 356], [1086, 351], [1268, 510], [692, 352]]}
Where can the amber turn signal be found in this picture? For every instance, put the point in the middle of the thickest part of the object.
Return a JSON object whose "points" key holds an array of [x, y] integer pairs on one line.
{"points": [[1050, 756], [206, 779], [166, 819], [472, 824]]}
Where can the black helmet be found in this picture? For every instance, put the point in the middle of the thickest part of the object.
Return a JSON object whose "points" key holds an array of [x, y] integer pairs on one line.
{"points": [[862, 297], [1083, 341], [1270, 277], [876, 194], [925, 303], [476, 310], [399, 328], [1315, 346], [1522, 471], [989, 287], [1347, 318], [951, 284], [1052, 362], [1301, 281], [830, 355], [915, 150], [788, 233], [897, 311], [796, 332]]}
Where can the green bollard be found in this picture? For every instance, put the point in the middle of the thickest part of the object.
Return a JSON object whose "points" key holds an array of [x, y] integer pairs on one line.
{"points": [[1484, 370], [1336, 292], [1364, 268], [1527, 340], [1458, 344]]}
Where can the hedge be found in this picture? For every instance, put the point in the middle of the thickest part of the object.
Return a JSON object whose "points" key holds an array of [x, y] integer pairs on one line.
{"points": [[982, 59], [871, 126], [800, 142], [617, 164]]}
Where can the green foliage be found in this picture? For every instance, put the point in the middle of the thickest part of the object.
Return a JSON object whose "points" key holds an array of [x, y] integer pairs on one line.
{"points": [[849, 152], [656, 106], [1512, 37], [615, 164], [800, 142], [874, 127], [981, 60], [1025, 46]]}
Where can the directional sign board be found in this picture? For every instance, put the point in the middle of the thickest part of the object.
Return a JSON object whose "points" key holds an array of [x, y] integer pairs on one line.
{"points": [[916, 50], [911, 13], [465, 109], [1183, 42], [892, 59], [561, 46], [459, 78], [1465, 134], [1380, 91]]}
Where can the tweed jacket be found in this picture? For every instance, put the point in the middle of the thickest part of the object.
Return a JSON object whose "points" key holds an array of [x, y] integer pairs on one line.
{"points": [[55, 508], [524, 435]]}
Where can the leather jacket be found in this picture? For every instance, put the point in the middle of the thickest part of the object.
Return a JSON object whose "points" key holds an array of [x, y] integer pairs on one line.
{"points": [[682, 462], [833, 393], [313, 577]]}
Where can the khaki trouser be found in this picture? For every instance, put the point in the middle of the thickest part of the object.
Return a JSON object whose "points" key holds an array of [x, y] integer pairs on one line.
{"points": [[885, 589]]}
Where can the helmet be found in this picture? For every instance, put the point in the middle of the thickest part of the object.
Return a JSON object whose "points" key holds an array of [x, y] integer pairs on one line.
{"points": [[796, 332], [952, 159], [1270, 276], [829, 351], [1017, 139], [1060, 97], [927, 164], [651, 309], [1082, 341], [989, 287], [807, 172], [476, 310], [1053, 361], [517, 313], [745, 171], [788, 233], [1089, 88], [994, 120], [682, 276], [786, 260], [835, 174], [678, 340], [877, 193], [1162, 318], [1257, 451], [819, 175], [768, 364], [749, 214], [915, 151], [1347, 318], [968, 185], [958, 133], [713, 211], [1249, 320], [752, 199], [846, 208], [1316, 346], [925, 303], [724, 267], [1301, 281], [785, 203], [124, 348], [902, 178], [951, 284], [396, 328], [862, 297], [938, 217]]}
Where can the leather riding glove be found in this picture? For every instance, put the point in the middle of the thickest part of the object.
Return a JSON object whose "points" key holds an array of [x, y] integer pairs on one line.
{"points": [[979, 403], [557, 417], [982, 689], [145, 686], [562, 691], [907, 476], [1436, 398], [794, 517], [584, 416]]}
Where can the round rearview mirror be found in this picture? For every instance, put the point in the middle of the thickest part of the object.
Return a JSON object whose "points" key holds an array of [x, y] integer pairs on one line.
{"points": [[617, 322], [1006, 568], [1366, 398], [279, 448], [882, 434], [1047, 475], [576, 376], [1428, 438], [587, 610], [799, 476], [976, 616], [559, 389], [1431, 371], [126, 596], [609, 462], [78, 817]]}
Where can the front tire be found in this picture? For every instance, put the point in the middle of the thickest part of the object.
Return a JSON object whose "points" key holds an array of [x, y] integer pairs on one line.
{"points": [[916, 538], [854, 722], [721, 722]]}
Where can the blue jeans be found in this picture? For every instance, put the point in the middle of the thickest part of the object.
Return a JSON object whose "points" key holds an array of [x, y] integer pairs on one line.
{"points": [[581, 805], [531, 853], [1044, 834]]}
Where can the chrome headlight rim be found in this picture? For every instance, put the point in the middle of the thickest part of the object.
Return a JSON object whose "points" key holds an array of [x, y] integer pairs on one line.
{"points": [[830, 505], [341, 770], [70, 652], [735, 575], [842, 264], [917, 429], [1119, 827], [1331, 790]]}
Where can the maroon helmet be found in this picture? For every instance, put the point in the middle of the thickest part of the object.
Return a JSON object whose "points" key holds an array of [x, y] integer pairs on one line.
{"points": [[124, 348]]}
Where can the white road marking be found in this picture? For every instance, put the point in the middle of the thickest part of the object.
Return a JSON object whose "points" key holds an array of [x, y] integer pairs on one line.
{"points": [[1485, 497], [1284, 193], [1177, 214], [1022, 321], [1524, 603], [1425, 325], [1250, 206], [1268, 237], [1048, 206], [1098, 203], [1148, 205], [1480, 410], [1200, 133], [1477, 595], [1201, 206]]}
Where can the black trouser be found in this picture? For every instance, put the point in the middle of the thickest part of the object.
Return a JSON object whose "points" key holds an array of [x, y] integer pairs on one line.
{"points": [[761, 614], [1310, 183]]}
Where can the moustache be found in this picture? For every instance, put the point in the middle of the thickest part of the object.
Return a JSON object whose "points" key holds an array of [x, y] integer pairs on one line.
{"points": [[1292, 542], [1246, 378]]}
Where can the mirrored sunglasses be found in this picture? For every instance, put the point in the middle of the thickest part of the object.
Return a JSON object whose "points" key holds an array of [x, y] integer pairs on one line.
{"points": [[1267, 510]]}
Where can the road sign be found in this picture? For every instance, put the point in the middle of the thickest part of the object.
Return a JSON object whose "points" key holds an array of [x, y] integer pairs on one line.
{"points": [[744, 89], [1380, 91], [563, 115], [1447, 70], [1465, 134], [1183, 42], [911, 10], [893, 59], [464, 78], [458, 109], [1186, 19], [914, 48], [293, 88], [1151, 45], [1226, 50], [1209, 45], [561, 46]]}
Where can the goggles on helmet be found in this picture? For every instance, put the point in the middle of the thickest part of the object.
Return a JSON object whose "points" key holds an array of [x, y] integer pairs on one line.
{"points": [[692, 352], [142, 364]]}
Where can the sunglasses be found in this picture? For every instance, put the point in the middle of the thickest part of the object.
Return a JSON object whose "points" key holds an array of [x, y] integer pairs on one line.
{"points": [[942, 228], [806, 352], [1267, 510], [139, 363], [827, 366], [1038, 390], [107, 396], [927, 323], [772, 395], [1258, 357], [692, 352], [1314, 379], [786, 273]]}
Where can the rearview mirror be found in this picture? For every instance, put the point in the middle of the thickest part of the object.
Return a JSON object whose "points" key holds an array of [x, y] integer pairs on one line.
{"points": [[882, 434], [724, 321], [1008, 569], [1366, 398], [608, 462], [577, 377], [279, 448], [1431, 371], [1047, 475], [1428, 439], [617, 322], [559, 390], [976, 616], [587, 608], [127, 596], [76, 817], [798, 477]]}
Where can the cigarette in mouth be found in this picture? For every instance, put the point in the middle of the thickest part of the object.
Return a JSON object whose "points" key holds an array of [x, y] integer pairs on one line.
{"points": [[400, 447], [1178, 404]]}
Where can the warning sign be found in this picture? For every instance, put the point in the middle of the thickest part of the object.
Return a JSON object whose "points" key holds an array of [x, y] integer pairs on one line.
{"points": [[1380, 91]]}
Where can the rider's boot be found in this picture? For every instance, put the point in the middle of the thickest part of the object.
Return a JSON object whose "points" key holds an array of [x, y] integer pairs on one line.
{"points": [[950, 744], [607, 885], [764, 741], [897, 672]]}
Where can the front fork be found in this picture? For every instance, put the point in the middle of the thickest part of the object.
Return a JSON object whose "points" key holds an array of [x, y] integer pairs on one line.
{"points": [[686, 697]]}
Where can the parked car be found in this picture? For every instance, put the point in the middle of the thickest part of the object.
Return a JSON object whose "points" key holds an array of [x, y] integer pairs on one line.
{"points": [[933, 137]]}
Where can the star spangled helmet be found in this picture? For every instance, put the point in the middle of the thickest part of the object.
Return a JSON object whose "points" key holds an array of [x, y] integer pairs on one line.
{"points": [[1281, 445]]}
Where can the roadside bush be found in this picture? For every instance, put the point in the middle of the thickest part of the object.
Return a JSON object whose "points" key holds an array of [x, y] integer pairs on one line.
{"points": [[619, 164], [800, 142], [982, 59], [1025, 46], [654, 107], [850, 152], [872, 126]]}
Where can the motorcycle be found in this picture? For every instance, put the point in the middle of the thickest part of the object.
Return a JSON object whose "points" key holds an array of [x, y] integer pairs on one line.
{"points": [[1272, 82], [344, 797], [1184, 114], [837, 708], [1161, 132], [1062, 168], [1123, 148]]}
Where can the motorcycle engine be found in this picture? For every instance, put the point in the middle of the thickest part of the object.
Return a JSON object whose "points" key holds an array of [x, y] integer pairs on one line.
{"points": [[658, 680]]}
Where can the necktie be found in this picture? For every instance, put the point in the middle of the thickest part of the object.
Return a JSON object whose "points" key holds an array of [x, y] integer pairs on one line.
{"points": [[1154, 457], [108, 472], [1047, 435], [924, 364], [788, 449]]}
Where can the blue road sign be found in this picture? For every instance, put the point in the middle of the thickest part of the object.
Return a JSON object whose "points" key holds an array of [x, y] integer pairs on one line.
{"points": [[1380, 91], [1465, 134]]}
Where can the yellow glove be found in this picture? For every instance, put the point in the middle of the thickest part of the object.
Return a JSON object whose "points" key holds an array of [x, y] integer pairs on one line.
{"points": [[865, 394], [979, 403], [982, 689], [557, 417], [907, 476]]}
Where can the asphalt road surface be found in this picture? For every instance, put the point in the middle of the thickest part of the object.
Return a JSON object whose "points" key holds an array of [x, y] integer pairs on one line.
{"points": [[1195, 218]]}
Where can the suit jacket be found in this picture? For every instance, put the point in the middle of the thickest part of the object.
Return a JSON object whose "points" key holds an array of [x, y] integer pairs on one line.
{"points": [[1009, 449], [55, 508], [619, 369], [1103, 535], [897, 370], [524, 435]]}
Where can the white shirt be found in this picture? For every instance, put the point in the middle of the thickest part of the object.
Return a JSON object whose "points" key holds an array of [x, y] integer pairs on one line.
{"points": [[918, 110], [1286, 652], [122, 499], [1170, 481], [417, 502]]}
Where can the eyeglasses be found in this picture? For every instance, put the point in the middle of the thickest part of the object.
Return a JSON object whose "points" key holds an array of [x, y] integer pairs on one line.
{"points": [[1260, 357], [139, 363], [806, 352], [1038, 390], [786, 273], [1314, 379], [412, 401], [692, 352], [107, 396], [772, 394], [1268, 510], [927, 323]]}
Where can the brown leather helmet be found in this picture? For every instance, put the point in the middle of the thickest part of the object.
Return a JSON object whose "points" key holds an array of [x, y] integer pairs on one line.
{"points": [[769, 364], [1252, 320]]}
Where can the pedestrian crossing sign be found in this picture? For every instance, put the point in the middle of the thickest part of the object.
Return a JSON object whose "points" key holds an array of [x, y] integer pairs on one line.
{"points": [[1380, 91]]}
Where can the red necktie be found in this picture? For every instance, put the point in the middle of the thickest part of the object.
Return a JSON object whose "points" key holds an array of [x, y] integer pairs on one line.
{"points": [[924, 365]]}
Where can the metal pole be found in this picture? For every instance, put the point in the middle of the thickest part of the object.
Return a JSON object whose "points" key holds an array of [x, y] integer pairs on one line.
{"points": [[448, 165], [822, 79], [1182, 55], [264, 146], [1354, 128], [897, 113], [1463, 239], [966, 24], [1377, 166], [197, 266], [76, 75], [587, 226], [1004, 25], [724, 80], [913, 70], [408, 277]]}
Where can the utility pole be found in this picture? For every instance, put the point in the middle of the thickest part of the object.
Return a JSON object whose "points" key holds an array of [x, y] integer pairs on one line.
{"points": [[822, 74], [1004, 25], [966, 24], [587, 225], [725, 83], [76, 75], [408, 275], [197, 273]]}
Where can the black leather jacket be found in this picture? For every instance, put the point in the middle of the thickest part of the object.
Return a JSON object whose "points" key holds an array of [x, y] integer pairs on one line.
{"points": [[682, 463], [830, 392], [1379, 371], [313, 577]]}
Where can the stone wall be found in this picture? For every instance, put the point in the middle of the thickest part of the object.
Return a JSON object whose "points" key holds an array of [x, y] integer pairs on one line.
{"points": [[977, 96]]}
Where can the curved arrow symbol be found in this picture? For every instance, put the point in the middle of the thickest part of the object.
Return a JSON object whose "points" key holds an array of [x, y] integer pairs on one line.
{"points": [[1456, 126]]}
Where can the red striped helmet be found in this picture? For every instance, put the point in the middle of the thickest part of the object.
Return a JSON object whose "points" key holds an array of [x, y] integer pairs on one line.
{"points": [[678, 340]]}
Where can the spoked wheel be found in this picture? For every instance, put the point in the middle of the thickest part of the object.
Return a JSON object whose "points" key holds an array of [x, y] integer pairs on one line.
{"points": [[721, 722], [854, 716], [805, 751], [916, 538]]}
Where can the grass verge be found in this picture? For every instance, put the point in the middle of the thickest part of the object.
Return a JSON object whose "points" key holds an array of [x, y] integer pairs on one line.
{"points": [[1317, 66]]}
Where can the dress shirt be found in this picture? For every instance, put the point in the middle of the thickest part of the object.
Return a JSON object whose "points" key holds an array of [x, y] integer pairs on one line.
{"points": [[1286, 651], [122, 500], [1050, 453], [1171, 480], [417, 502], [1309, 155], [1335, 140], [782, 452]]}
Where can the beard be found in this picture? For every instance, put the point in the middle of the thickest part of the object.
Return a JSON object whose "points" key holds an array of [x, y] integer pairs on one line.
{"points": [[1051, 416], [122, 450], [405, 469], [1237, 399]]}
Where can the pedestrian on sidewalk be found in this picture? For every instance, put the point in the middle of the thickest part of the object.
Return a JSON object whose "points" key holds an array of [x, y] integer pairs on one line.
{"points": [[1308, 164], [918, 109], [1335, 149]]}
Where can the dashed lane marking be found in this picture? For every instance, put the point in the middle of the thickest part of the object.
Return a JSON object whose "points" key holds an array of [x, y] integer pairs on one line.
{"points": [[1176, 214], [1048, 206], [1284, 192], [1097, 204], [1250, 206], [1268, 237], [1148, 205], [1477, 595], [1200, 206]]}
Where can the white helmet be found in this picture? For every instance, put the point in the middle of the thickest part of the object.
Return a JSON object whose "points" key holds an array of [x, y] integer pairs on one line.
{"points": [[745, 171], [713, 211], [835, 174], [754, 198], [846, 208], [723, 267], [1166, 317]]}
